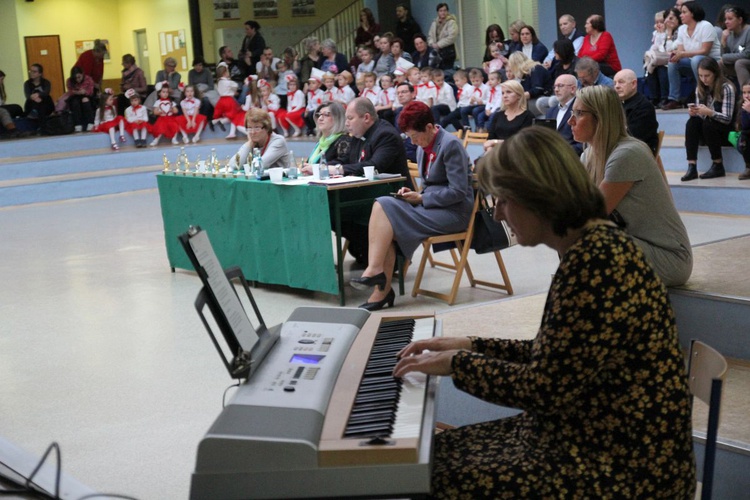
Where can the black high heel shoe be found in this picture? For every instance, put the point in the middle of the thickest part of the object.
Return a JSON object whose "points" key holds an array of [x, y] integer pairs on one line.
{"points": [[365, 282], [377, 306]]}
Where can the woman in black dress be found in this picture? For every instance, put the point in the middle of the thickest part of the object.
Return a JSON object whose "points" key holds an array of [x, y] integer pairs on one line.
{"points": [[511, 118]]}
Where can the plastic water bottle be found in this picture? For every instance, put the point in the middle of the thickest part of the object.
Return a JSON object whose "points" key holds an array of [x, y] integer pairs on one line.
{"points": [[257, 164], [323, 168]]}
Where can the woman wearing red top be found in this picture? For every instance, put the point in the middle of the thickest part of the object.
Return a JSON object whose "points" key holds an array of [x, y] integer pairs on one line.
{"points": [[599, 46]]}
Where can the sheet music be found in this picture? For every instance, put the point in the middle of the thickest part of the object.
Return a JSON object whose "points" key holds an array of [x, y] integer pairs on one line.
{"points": [[224, 291]]}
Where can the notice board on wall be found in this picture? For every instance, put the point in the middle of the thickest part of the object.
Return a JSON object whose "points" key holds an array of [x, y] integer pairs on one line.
{"points": [[172, 44]]}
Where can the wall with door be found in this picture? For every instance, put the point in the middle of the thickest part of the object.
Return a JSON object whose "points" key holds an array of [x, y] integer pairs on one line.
{"points": [[12, 62]]}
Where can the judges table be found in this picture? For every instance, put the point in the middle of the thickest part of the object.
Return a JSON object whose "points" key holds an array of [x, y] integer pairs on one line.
{"points": [[276, 233]]}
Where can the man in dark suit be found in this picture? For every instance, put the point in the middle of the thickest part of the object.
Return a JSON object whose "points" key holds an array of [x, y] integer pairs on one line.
{"points": [[567, 25], [378, 143], [639, 111], [565, 91]]}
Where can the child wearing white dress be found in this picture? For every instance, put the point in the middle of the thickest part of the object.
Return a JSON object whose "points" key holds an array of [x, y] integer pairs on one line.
{"points": [[315, 97], [191, 121], [227, 107], [166, 113], [136, 119], [295, 106], [107, 120], [268, 101]]}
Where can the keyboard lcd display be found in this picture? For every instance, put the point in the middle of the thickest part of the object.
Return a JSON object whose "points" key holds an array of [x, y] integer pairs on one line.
{"points": [[307, 359]]}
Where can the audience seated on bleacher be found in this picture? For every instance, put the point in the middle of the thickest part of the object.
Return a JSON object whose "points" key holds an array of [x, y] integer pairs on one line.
{"points": [[565, 93], [568, 31], [493, 37], [534, 78], [712, 117], [513, 117], [384, 63], [655, 59], [531, 46], [37, 90], [423, 54], [6, 118], [564, 63], [735, 44], [79, 99], [639, 112], [696, 40], [587, 71], [170, 75], [132, 78], [637, 198], [599, 45], [744, 145], [513, 43]]}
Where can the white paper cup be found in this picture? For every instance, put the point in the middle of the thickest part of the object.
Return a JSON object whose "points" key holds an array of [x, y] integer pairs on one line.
{"points": [[316, 171], [276, 174], [369, 173]]}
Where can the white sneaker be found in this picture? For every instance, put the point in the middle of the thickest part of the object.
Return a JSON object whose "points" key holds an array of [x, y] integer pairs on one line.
{"points": [[89, 127], [175, 140], [78, 128], [231, 136], [196, 139], [185, 139], [154, 143]]}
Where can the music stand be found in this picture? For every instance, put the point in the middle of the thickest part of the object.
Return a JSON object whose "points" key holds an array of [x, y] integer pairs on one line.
{"points": [[249, 344]]}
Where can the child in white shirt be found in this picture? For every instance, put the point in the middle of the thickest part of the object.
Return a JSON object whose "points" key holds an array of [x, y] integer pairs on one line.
{"points": [[295, 106], [136, 119], [493, 103], [445, 100]]}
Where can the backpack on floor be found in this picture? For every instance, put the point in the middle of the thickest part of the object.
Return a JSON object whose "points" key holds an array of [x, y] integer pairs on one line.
{"points": [[60, 124]]}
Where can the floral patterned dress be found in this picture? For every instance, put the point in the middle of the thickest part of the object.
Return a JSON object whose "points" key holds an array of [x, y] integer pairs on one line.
{"points": [[603, 387]]}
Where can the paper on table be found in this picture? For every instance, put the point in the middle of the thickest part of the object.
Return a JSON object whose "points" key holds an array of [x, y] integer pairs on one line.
{"points": [[334, 181]]}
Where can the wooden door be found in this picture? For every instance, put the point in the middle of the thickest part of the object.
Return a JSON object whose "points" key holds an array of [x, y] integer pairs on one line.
{"points": [[45, 50]]}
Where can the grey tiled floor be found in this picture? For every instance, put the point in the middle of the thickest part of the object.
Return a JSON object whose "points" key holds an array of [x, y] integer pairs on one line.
{"points": [[101, 350]]}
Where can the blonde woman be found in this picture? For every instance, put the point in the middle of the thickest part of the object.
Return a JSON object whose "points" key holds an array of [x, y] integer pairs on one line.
{"points": [[636, 196], [511, 118], [534, 78]]}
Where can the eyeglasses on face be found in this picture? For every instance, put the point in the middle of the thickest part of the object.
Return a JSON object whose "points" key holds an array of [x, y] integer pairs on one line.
{"points": [[578, 113], [325, 114], [255, 128]]}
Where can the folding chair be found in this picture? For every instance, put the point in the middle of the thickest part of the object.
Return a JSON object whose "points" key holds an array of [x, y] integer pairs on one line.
{"points": [[706, 371], [460, 255], [475, 138]]}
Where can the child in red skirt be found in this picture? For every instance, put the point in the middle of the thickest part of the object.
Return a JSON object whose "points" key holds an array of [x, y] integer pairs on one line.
{"points": [[269, 101], [252, 100], [136, 119], [295, 106], [191, 121], [227, 107], [166, 113], [107, 120]]}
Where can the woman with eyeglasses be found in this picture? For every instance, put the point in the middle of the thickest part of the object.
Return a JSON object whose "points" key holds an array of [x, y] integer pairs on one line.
{"points": [[334, 143], [636, 194], [400, 223], [602, 386], [273, 148]]}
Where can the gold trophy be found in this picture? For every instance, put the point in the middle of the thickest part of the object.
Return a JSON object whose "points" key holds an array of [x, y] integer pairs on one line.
{"points": [[165, 161]]}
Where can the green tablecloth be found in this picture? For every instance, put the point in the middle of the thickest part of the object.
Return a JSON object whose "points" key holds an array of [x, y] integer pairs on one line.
{"points": [[276, 234]]}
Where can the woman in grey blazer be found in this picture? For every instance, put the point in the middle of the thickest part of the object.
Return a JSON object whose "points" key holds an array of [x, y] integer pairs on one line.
{"points": [[401, 222]]}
